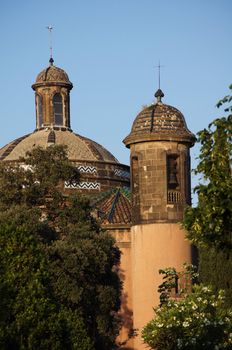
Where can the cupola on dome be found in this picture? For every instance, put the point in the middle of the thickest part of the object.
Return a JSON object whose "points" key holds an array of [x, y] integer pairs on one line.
{"points": [[159, 122], [52, 74]]}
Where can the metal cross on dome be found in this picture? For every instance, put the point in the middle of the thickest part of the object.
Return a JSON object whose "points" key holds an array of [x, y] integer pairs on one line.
{"points": [[159, 66], [50, 28]]}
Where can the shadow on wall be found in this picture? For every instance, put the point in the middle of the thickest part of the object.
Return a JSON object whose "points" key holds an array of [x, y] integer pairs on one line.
{"points": [[125, 339]]}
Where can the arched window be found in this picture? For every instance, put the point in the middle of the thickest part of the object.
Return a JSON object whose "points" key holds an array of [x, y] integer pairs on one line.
{"points": [[173, 179], [172, 171], [39, 110], [58, 109]]}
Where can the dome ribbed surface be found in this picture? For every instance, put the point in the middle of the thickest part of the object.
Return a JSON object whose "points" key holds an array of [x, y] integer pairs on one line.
{"points": [[79, 147], [159, 122], [53, 74]]}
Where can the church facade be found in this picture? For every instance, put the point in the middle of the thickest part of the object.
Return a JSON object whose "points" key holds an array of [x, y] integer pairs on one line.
{"points": [[141, 205]]}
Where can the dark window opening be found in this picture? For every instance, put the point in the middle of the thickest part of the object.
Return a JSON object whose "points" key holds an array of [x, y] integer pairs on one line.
{"points": [[173, 180], [40, 110], [58, 109], [172, 171]]}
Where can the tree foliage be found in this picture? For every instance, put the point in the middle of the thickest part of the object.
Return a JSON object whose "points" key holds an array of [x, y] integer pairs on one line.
{"points": [[215, 269], [197, 322], [30, 314], [176, 282], [37, 180], [210, 223], [82, 268], [58, 287]]}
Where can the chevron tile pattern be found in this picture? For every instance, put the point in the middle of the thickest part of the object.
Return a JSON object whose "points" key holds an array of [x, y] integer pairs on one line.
{"points": [[121, 173], [87, 169], [84, 185]]}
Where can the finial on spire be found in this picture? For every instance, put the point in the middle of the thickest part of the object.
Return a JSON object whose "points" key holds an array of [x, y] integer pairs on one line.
{"points": [[159, 94], [50, 28]]}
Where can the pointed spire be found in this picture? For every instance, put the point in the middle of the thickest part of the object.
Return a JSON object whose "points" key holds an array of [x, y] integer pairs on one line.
{"points": [[159, 94], [50, 28]]}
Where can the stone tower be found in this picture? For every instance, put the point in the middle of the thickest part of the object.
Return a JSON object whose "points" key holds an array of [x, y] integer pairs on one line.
{"points": [[159, 144]]}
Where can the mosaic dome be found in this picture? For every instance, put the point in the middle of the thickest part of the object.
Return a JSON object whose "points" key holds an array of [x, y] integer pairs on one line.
{"points": [[100, 170], [159, 122], [79, 147], [52, 74]]}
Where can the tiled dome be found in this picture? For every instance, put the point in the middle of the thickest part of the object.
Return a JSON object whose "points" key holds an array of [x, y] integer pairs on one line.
{"points": [[159, 122], [79, 147], [114, 206], [52, 74], [100, 170]]}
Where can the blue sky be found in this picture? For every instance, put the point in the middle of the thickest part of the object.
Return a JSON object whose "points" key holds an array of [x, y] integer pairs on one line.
{"points": [[110, 48]]}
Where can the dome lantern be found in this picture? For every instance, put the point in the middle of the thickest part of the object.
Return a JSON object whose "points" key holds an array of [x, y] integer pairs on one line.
{"points": [[52, 88]]}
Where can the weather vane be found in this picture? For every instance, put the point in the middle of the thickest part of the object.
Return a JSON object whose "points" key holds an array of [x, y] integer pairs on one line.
{"points": [[50, 28], [159, 66]]}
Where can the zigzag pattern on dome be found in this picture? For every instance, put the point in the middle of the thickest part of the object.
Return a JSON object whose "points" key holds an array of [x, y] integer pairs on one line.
{"points": [[121, 173], [83, 185], [87, 169]]}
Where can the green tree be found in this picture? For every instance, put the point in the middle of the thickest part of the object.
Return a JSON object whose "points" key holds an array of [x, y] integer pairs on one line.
{"points": [[215, 269], [82, 266], [30, 315], [209, 224], [58, 287], [37, 180]]}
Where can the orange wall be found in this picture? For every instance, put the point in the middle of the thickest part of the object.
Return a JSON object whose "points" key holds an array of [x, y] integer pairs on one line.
{"points": [[153, 247]]}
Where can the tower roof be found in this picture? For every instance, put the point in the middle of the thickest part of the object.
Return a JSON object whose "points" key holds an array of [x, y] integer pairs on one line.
{"points": [[113, 207], [159, 122], [52, 75]]}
